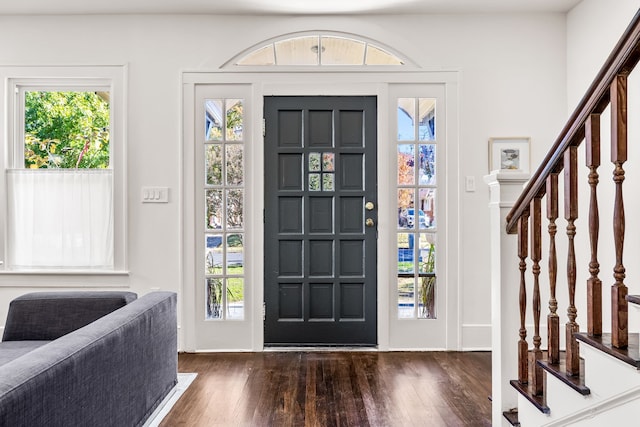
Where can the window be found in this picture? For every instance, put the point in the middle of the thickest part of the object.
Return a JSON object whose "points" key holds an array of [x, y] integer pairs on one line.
{"points": [[224, 204], [64, 175], [416, 201], [318, 49]]}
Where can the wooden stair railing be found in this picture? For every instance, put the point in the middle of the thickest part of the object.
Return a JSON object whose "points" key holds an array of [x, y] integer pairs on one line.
{"points": [[609, 90]]}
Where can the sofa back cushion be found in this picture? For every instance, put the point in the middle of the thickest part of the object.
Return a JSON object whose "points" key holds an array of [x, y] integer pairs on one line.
{"points": [[50, 315], [113, 372]]}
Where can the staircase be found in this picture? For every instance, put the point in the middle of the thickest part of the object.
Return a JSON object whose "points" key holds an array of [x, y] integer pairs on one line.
{"points": [[592, 378]]}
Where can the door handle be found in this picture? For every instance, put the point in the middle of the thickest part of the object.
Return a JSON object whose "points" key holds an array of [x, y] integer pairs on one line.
{"points": [[369, 222]]}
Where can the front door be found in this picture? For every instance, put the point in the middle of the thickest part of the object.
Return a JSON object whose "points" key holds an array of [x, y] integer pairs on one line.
{"points": [[320, 221]]}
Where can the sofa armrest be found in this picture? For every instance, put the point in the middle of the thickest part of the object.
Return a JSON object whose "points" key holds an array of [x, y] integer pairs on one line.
{"points": [[50, 315]]}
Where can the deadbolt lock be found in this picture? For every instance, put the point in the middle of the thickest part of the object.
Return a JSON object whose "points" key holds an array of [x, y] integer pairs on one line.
{"points": [[369, 206]]}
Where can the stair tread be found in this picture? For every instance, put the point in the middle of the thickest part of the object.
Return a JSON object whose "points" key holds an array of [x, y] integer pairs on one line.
{"points": [[630, 355], [559, 371], [634, 299], [512, 417], [525, 390]]}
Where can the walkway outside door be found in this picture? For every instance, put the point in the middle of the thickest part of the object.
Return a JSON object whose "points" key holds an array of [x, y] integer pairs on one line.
{"points": [[320, 221]]}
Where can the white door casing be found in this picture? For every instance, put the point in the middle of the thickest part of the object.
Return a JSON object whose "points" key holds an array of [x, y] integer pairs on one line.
{"points": [[393, 334]]}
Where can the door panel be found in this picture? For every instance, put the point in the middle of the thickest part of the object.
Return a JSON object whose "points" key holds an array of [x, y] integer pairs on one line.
{"points": [[320, 258]]}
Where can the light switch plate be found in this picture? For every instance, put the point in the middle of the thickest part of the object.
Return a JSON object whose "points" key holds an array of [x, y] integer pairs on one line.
{"points": [[470, 183], [155, 194]]}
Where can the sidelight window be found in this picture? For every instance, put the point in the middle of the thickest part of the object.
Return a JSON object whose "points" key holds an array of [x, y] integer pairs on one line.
{"points": [[224, 204], [416, 150]]}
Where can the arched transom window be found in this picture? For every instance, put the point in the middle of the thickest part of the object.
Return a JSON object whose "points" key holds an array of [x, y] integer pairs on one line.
{"points": [[318, 49]]}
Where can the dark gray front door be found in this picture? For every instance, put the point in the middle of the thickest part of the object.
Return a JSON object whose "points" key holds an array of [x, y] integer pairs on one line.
{"points": [[320, 192]]}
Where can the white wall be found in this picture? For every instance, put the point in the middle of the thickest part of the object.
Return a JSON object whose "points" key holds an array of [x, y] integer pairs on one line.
{"points": [[593, 29], [512, 84]]}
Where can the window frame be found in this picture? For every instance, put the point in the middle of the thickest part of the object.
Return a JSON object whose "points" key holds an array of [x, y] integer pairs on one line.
{"points": [[74, 78]]}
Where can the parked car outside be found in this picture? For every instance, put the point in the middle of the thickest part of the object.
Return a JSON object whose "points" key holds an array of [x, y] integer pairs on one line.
{"points": [[411, 218]]}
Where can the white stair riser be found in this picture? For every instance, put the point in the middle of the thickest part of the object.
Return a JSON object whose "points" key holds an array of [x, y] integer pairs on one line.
{"points": [[607, 376], [529, 415], [572, 401]]}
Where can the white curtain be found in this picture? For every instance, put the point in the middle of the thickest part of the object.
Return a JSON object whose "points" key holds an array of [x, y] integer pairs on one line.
{"points": [[60, 219]]}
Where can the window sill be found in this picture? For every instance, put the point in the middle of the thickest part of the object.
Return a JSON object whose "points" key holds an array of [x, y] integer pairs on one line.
{"points": [[64, 278]]}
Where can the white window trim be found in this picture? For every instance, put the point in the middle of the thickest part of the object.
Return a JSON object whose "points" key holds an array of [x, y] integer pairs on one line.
{"points": [[113, 78]]}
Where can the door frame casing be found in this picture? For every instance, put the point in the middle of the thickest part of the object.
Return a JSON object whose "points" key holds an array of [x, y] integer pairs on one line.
{"points": [[327, 83]]}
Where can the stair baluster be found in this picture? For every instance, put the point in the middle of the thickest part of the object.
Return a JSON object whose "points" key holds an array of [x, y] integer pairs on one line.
{"points": [[619, 307], [523, 347], [553, 320], [594, 284], [571, 214], [536, 256]]}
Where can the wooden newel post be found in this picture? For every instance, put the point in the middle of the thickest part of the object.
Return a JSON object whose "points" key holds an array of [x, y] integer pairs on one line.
{"points": [[523, 347], [594, 284], [571, 214], [536, 256], [553, 320], [619, 308]]}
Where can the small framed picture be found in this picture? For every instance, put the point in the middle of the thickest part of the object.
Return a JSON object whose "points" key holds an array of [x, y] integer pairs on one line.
{"points": [[509, 154]]}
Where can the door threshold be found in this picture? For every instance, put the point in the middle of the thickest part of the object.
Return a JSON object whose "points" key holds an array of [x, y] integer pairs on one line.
{"points": [[314, 349]]}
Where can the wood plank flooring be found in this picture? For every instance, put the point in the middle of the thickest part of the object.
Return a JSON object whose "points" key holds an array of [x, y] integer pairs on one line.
{"points": [[335, 389]]}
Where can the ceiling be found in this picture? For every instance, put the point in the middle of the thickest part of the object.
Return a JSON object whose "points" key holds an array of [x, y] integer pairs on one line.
{"points": [[271, 7]]}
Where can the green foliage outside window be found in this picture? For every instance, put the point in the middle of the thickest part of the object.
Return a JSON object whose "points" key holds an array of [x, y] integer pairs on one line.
{"points": [[66, 130]]}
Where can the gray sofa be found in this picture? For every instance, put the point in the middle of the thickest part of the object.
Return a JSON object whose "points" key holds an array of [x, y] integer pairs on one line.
{"points": [[87, 358]]}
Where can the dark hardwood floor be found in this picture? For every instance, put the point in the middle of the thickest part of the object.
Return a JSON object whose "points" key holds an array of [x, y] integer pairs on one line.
{"points": [[335, 389]]}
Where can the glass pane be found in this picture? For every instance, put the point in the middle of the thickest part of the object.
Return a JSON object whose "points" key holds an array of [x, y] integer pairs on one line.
{"points": [[427, 209], [406, 253], [427, 126], [235, 204], [341, 51], [214, 209], [427, 171], [327, 182], [213, 119], [298, 51], [427, 297], [314, 182], [235, 298], [377, 56], [213, 254], [427, 251], [214, 298], [314, 162], [406, 163], [235, 119], [235, 255], [405, 205], [66, 130], [235, 166], [213, 164], [406, 297], [406, 119], [262, 56], [328, 162]]}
